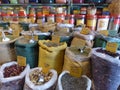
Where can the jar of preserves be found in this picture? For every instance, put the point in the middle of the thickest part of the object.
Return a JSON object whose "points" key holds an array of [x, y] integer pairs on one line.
{"points": [[50, 18], [102, 23], [45, 10], [91, 21], [60, 18], [10, 11], [39, 10], [32, 15], [69, 19], [61, 1], [40, 18], [79, 19], [78, 1]]}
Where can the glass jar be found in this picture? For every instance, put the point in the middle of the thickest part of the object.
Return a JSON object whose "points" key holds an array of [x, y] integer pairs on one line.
{"points": [[15, 17], [60, 18], [114, 23], [102, 23], [51, 18], [83, 10], [69, 19], [45, 10], [47, 1], [13, 1], [32, 18], [61, 1], [39, 10], [10, 10], [6, 18], [79, 19], [91, 21], [6, 1], [78, 1], [40, 18]]}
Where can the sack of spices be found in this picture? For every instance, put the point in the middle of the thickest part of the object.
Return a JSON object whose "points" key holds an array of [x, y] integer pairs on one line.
{"points": [[77, 61], [105, 69], [12, 76], [37, 80], [68, 82], [7, 49], [52, 54], [88, 38]]}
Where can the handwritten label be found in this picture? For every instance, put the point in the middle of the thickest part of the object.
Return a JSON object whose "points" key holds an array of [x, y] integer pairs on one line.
{"points": [[21, 60], [85, 31], [104, 32], [111, 47], [46, 68], [56, 39]]}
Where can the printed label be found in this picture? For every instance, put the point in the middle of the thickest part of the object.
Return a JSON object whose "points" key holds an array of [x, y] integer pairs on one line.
{"points": [[21, 60], [56, 39], [91, 23], [79, 22]]}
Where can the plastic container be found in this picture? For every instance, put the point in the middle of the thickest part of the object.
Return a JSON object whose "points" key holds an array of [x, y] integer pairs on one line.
{"points": [[47, 1], [91, 21], [70, 19], [78, 1], [102, 23], [114, 23], [40, 18], [79, 19], [5, 1], [60, 18], [33, 1], [61, 1], [28, 51], [50, 18], [14, 1]]}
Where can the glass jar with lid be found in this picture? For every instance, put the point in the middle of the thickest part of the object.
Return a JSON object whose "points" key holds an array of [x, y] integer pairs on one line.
{"points": [[40, 18], [10, 10], [32, 15], [50, 18], [79, 19], [60, 18]]}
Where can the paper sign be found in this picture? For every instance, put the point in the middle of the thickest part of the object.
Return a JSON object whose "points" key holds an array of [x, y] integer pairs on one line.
{"points": [[21, 60], [56, 39], [104, 32], [46, 68], [111, 47], [85, 31]]}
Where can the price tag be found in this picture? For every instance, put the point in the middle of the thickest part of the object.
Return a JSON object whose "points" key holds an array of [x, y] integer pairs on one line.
{"points": [[85, 31], [111, 47], [56, 39], [21, 60], [104, 32], [46, 68], [79, 42]]}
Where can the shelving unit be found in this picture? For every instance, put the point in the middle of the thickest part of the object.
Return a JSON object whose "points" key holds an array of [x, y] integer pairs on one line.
{"points": [[69, 5]]}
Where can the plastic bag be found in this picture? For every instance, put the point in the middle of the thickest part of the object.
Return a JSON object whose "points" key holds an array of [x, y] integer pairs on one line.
{"points": [[68, 82], [53, 56], [105, 71], [50, 85], [12, 83]]}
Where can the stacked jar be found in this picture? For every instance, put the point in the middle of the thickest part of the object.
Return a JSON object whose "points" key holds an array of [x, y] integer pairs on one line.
{"points": [[103, 21], [69, 19], [79, 19], [50, 18], [40, 18], [60, 18], [91, 22]]}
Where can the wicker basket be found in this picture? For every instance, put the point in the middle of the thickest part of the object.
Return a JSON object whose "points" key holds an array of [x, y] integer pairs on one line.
{"points": [[7, 50]]}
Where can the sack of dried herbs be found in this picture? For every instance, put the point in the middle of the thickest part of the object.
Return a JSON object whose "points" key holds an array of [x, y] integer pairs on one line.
{"points": [[12, 76], [68, 82], [105, 69], [52, 54], [37, 80], [77, 61]]}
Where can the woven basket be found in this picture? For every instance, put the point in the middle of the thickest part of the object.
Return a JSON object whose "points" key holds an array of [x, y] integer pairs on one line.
{"points": [[7, 50]]}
